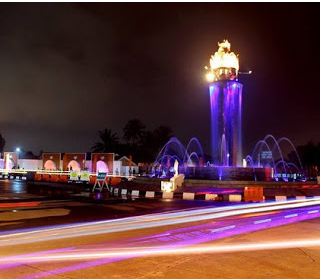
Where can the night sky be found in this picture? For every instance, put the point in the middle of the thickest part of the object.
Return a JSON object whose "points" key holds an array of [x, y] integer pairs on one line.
{"points": [[68, 70]]}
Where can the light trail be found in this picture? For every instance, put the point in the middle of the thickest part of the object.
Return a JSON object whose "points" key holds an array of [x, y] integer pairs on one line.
{"points": [[262, 221], [166, 215], [290, 216], [157, 251], [146, 221], [223, 228]]}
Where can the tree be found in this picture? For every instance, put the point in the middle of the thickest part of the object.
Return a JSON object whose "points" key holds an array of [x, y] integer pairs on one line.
{"points": [[109, 141], [152, 142], [310, 157], [29, 155], [2, 143], [162, 134], [133, 131], [147, 148]]}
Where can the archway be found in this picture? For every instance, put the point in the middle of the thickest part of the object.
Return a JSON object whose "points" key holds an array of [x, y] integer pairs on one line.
{"points": [[50, 165], [9, 163], [74, 165], [101, 166]]}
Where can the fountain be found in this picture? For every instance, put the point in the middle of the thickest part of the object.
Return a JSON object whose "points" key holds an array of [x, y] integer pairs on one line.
{"points": [[264, 163], [226, 107], [267, 161], [275, 157]]}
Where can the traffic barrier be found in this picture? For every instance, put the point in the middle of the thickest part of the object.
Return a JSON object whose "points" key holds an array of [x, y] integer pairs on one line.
{"points": [[92, 180], [253, 194], [55, 178], [210, 196], [188, 196], [235, 197], [114, 181], [168, 194], [37, 177], [280, 198], [150, 194], [64, 178], [45, 177], [135, 193], [124, 192]]}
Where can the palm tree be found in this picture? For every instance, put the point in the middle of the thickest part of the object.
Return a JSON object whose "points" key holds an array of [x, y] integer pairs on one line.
{"points": [[133, 131], [2, 143], [109, 141]]}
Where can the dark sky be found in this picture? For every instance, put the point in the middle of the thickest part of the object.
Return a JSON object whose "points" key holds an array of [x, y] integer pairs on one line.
{"points": [[68, 70]]}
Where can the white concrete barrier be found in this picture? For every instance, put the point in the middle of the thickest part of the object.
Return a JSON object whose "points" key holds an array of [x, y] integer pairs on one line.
{"points": [[150, 194], [168, 194], [280, 198], [210, 196], [235, 197], [188, 196], [135, 193], [123, 191]]}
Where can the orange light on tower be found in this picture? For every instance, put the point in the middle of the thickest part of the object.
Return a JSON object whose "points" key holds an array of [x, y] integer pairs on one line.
{"points": [[224, 64]]}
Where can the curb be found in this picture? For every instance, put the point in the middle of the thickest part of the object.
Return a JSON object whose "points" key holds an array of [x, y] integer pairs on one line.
{"points": [[119, 192], [285, 198], [13, 177], [124, 193]]}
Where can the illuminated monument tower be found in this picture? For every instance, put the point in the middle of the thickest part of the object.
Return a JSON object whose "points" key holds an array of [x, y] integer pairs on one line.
{"points": [[226, 107]]}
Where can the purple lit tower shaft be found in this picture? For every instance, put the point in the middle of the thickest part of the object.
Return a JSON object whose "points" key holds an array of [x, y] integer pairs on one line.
{"points": [[226, 122]]}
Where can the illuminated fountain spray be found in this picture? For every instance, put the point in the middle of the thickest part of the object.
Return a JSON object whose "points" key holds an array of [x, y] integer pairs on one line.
{"points": [[226, 107], [267, 162]]}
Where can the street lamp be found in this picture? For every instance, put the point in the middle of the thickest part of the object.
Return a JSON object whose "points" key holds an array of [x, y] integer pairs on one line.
{"points": [[18, 150]]}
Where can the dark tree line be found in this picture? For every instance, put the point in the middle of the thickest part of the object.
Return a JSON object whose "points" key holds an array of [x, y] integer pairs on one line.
{"points": [[136, 141], [2, 143], [143, 145], [310, 158]]}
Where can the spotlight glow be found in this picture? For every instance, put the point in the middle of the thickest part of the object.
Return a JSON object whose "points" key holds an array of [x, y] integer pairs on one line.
{"points": [[210, 77]]}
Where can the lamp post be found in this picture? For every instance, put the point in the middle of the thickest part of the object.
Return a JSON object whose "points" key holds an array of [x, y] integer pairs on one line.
{"points": [[18, 150]]}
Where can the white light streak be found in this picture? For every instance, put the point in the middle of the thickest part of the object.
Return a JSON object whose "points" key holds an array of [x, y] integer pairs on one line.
{"points": [[155, 251], [262, 221], [146, 221], [223, 228], [290, 216]]}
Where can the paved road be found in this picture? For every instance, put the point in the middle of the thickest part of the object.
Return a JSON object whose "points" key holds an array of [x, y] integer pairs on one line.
{"points": [[18, 209], [170, 244]]}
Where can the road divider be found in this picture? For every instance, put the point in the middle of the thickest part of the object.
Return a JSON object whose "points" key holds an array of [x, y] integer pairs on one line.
{"points": [[126, 193]]}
